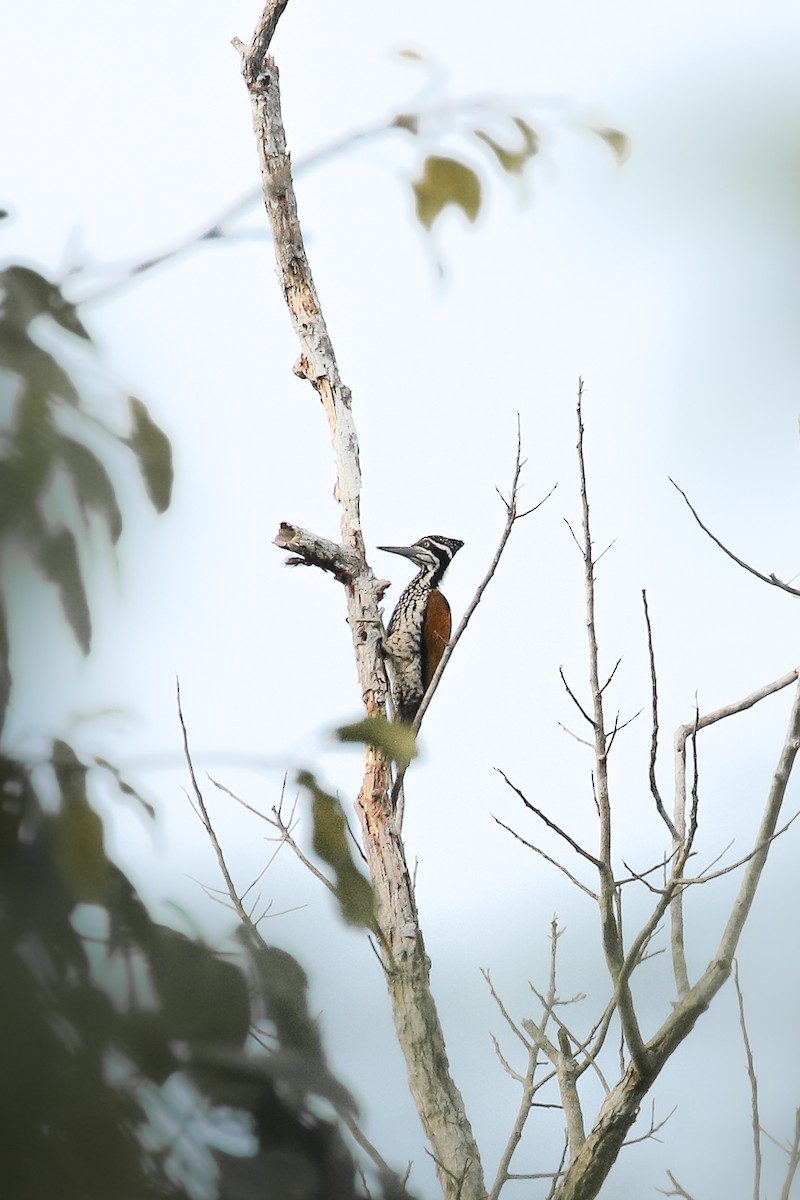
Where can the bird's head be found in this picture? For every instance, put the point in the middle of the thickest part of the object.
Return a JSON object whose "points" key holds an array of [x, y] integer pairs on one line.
{"points": [[433, 553]]}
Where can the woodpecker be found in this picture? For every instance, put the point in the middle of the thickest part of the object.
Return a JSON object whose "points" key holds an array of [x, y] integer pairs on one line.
{"points": [[420, 625]]}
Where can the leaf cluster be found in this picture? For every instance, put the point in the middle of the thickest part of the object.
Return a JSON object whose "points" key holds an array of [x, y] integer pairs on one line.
{"points": [[102, 1008], [55, 484], [123, 1042]]}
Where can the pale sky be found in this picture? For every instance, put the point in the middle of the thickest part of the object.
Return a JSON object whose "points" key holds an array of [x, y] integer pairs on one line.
{"points": [[669, 284]]}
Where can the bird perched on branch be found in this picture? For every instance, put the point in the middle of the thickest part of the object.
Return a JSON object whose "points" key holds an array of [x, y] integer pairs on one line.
{"points": [[420, 625]]}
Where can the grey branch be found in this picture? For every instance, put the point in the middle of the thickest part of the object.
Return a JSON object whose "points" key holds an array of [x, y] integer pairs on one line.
{"points": [[612, 934], [310, 550], [771, 578], [753, 1081], [512, 516], [662, 812], [404, 958]]}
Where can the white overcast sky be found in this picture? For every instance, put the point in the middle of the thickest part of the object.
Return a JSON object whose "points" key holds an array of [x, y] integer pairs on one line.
{"points": [[669, 284]]}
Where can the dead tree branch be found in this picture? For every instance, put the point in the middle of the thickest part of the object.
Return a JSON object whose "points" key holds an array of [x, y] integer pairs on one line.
{"points": [[512, 516], [662, 812], [682, 735], [794, 1159], [771, 578], [612, 934], [249, 925], [529, 1085], [588, 1170], [753, 1081], [405, 961]]}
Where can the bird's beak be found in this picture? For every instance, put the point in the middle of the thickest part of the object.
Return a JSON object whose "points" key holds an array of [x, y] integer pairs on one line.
{"points": [[406, 551]]}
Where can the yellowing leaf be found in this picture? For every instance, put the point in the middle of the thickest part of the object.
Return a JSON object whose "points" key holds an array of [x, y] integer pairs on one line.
{"points": [[513, 161], [446, 181], [619, 142]]}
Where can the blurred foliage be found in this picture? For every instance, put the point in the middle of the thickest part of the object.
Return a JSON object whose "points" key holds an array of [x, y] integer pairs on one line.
{"points": [[333, 844], [53, 477], [395, 739], [454, 179], [135, 1061], [104, 1012]]}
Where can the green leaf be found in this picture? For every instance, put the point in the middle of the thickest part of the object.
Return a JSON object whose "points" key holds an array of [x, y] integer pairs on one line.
{"points": [[203, 997], [446, 181], [394, 739], [25, 472], [513, 161], [25, 295], [153, 449], [92, 483], [59, 559], [619, 142], [38, 369], [79, 850], [331, 842]]}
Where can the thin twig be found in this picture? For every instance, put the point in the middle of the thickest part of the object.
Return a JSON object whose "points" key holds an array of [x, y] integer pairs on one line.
{"points": [[771, 578], [678, 1190], [236, 901], [550, 824], [575, 699], [515, 1029], [650, 1135], [753, 1080], [512, 516], [612, 934], [662, 812], [547, 858], [794, 1159], [277, 822]]}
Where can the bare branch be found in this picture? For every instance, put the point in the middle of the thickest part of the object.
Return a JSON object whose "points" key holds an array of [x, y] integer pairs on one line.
{"points": [[655, 1126], [361, 1139], [529, 1087], [563, 1029], [612, 934], [794, 1159], [618, 729], [771, 578], [512, 516], [249, 925], [509, 1070], [611, 676], [264, 31], [662, 812], [284, 830], [310, 550], [682, 734], [553, 861], [550, 824], [753, 1080], [574, 698], [404, 958], [515, 1029], [574, 735], [678, 1190]]}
